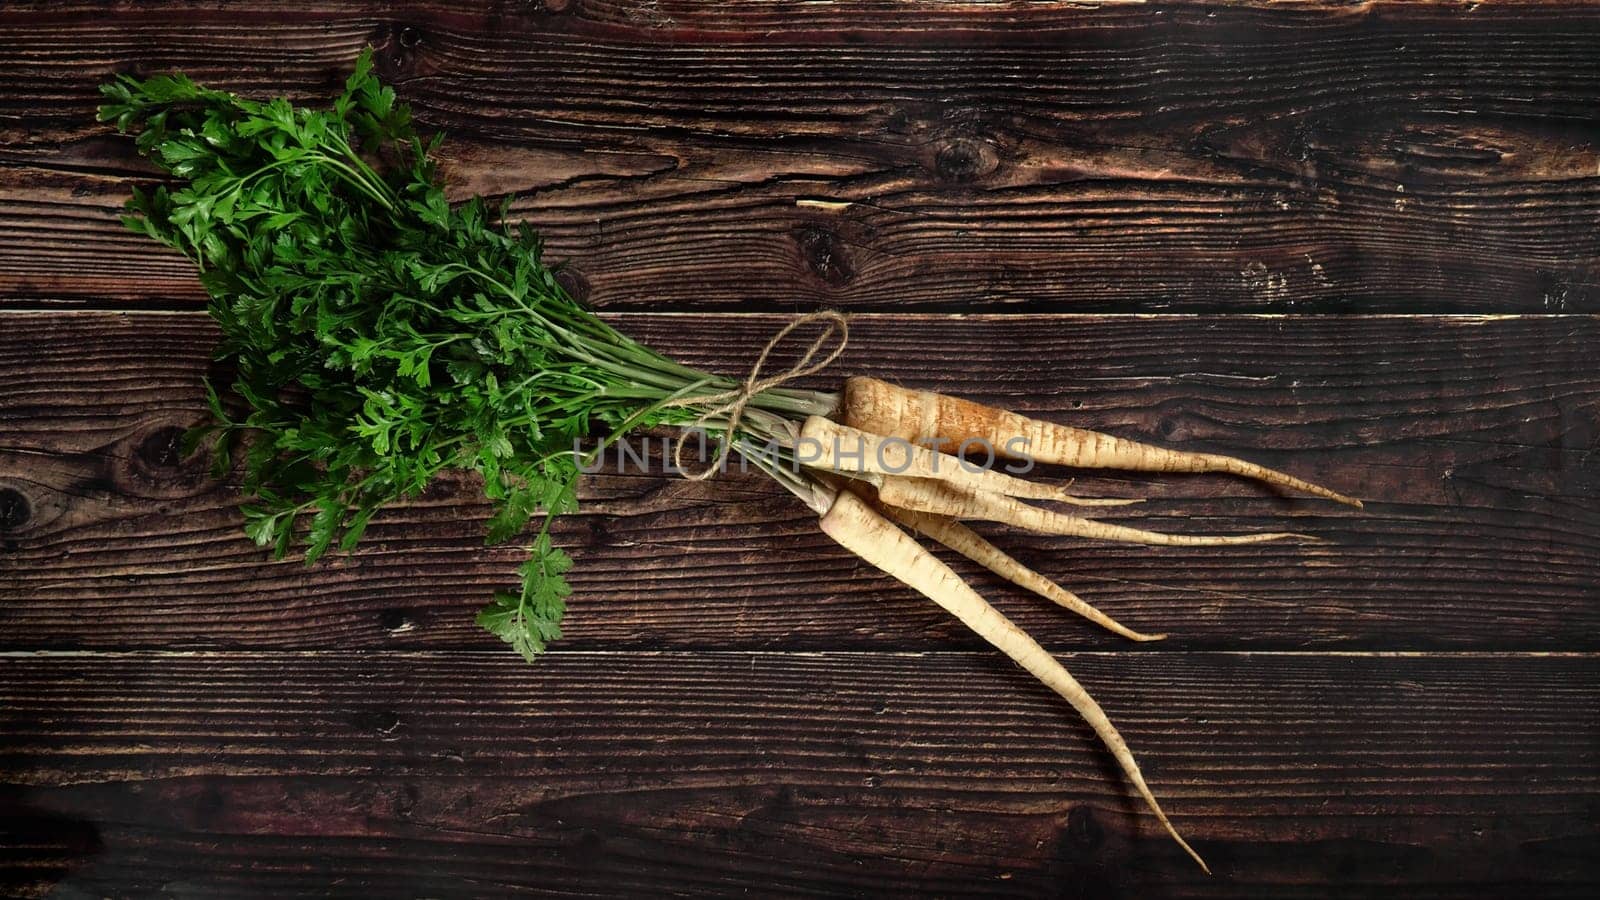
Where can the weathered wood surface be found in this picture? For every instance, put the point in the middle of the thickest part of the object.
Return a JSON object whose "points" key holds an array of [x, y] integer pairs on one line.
{"points": [[738, 708], [1472, 438], [1298, 775], [1057, 156]]}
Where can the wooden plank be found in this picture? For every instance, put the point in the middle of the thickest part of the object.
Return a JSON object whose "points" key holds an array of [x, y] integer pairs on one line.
{"points": [[949, 774], [1472, 437], [1378, 156]]}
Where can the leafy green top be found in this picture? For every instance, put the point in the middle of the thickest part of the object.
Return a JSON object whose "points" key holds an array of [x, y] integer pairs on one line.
{"points": [[380, 334]]}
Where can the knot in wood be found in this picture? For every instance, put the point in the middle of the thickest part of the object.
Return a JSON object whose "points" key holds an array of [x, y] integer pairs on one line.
{"points": [[1082, 829], [396, 621], [965, 159], [574, 282], [162, 448], [397, 50], [825, 255], [15, 511]]}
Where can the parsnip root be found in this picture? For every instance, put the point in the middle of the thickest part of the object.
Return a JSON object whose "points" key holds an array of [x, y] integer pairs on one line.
{"points": [[860, 529], [975, 547], [926, 418], [945, 499], [826, 444]]}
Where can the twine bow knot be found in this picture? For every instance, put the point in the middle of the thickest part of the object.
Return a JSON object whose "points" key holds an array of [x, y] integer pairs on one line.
{"points": [[731, 403]]}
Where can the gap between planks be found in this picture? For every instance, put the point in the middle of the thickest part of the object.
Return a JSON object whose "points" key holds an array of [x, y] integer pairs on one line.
{"points": [[874, 654], [1464, 318]]}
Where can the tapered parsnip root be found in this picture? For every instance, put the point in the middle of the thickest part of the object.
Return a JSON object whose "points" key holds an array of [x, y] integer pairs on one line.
{"points": [[826, 444], [859, 528], [975, 547], [943, 499], [926, 418]]}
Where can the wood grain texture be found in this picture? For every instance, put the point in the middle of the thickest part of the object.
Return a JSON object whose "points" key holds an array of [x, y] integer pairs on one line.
{"points": [[1057, 156], [1473, 439], [1312, 776], [738, 708]]}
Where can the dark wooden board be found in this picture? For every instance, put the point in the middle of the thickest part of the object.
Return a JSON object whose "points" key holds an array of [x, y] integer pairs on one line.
{"points": [[1312, 157], [1297, 775], [738, 707], [1473, 439]]}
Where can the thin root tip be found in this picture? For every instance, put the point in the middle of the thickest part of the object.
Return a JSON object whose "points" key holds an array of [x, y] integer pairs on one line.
{"points": [[1262, 537], [1337, 497], [1267, 537], [1099, 501], [1145, 638], [1187, 849]]}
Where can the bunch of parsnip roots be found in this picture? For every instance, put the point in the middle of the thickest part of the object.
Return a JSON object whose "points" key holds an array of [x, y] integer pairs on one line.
{"points": [[877, 471]]}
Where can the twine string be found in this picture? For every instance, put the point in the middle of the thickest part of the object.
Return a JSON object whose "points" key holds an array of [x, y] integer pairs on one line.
{"points": [[731, 403]]}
